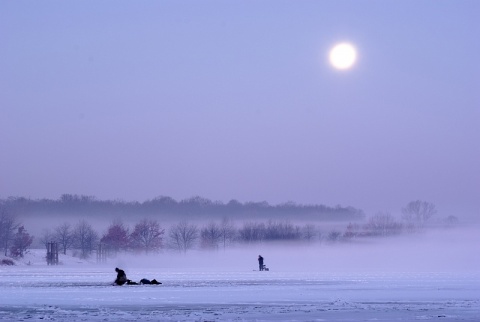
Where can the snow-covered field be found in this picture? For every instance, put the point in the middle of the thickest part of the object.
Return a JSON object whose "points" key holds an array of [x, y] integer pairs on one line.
{"points": [[79, 294], [218, 288]]}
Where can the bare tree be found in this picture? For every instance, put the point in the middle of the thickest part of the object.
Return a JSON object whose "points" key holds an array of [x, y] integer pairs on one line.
{"points": [[382, 224], [418, 212], [227, 230], [182, 236], [334, 236], [281, 230], [451, 221], [117, 237], [64, 236], [47, 236], [308, 232], [147, 235], [252, 232], [21, 241], [352, 231], [85, 238], [8, 226], [210, 235]]}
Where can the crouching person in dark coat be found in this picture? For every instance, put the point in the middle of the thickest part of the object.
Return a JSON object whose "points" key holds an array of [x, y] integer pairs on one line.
{"points": [[121, 277]]}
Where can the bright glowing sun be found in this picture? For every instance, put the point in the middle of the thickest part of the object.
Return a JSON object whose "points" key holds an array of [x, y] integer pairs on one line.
{"points": [[343, 56]]}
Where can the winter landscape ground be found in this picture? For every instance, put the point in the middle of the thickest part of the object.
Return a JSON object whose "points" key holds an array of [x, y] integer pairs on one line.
{"points": [[414, 281]]}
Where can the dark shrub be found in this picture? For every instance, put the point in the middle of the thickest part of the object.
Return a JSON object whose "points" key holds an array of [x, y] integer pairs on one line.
{"points": [[7, 262]]}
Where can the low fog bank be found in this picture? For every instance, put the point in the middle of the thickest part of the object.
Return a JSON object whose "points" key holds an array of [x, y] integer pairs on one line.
{"points": [[443, 250], [419, 241]]}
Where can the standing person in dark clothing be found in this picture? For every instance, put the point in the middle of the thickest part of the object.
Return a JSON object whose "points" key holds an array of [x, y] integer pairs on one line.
{"points": [[121, 277], [260, 262]]}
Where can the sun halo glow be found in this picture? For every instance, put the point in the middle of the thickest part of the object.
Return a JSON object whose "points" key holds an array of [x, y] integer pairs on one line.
{"points": [[343, 56]]}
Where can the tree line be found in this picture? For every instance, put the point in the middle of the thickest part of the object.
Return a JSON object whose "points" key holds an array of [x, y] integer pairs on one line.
{"points": [[415, 217], [149, 236], [195, 207]]}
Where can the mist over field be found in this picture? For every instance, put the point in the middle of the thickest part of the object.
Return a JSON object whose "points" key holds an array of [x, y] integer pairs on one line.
{"points": [[451, 250], [224, 237], [290, 236]]}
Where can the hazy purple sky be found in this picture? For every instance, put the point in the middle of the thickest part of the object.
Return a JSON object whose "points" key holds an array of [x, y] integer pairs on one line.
{"points": [[236, 99]]}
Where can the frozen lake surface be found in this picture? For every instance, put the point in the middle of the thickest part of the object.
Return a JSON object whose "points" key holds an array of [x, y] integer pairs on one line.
{"points": [[434, 279], [83, 293]]}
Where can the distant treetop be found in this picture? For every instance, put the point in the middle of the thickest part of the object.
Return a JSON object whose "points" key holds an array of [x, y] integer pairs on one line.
{"points": [[197, 207]]}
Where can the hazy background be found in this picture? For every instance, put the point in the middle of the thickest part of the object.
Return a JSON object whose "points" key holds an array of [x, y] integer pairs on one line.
{"points": [[443, 250], [236, 100]]}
